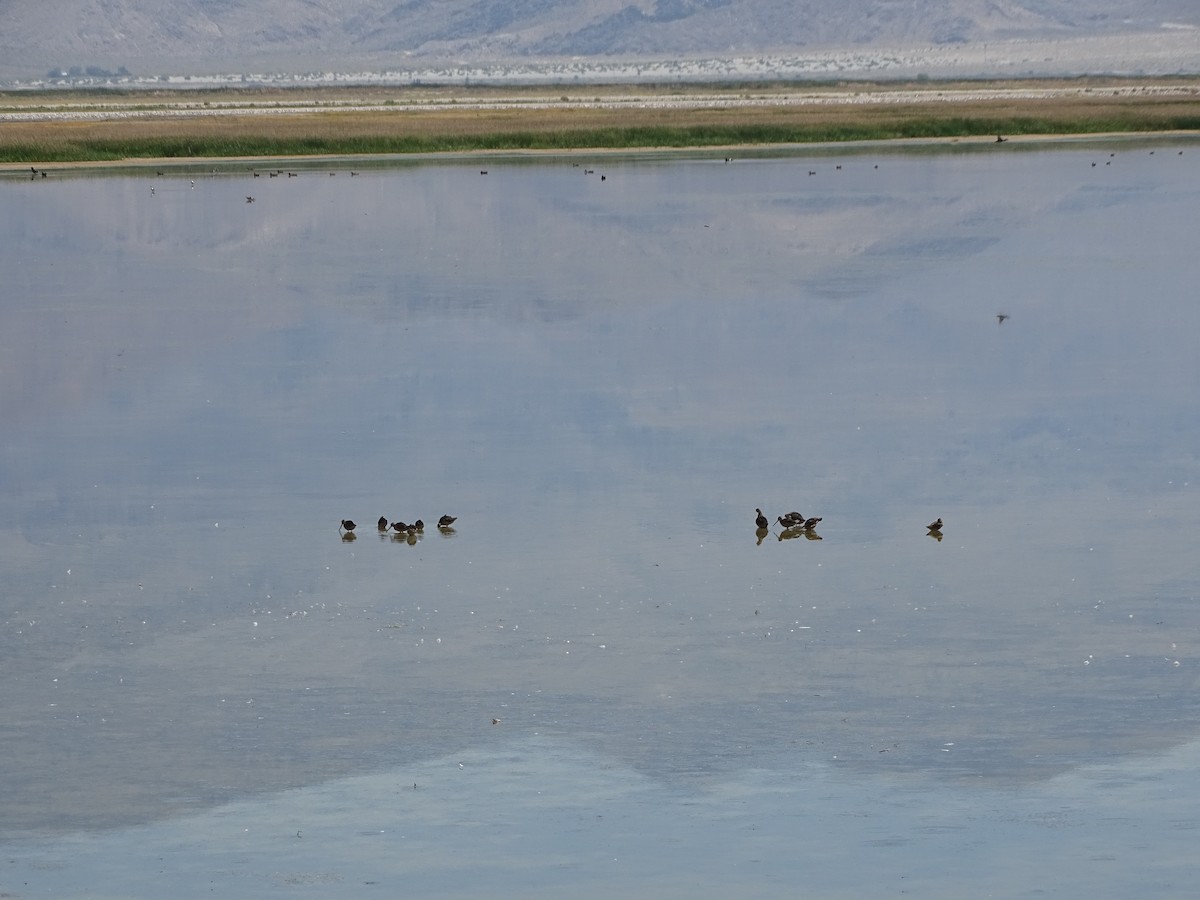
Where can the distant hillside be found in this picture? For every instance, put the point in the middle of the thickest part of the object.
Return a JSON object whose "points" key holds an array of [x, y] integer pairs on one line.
{"points": [[198, 36]]}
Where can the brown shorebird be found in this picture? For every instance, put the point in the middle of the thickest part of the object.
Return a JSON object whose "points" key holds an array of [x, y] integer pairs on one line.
{"points": [[399, 527], [811, 523], [1000, 317], [447, 521], [761, 520], [382, 524], [348, 525], [935, 525]]}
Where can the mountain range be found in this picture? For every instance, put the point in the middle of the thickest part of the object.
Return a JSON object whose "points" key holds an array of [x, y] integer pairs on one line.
{"points": [[149, 37]]}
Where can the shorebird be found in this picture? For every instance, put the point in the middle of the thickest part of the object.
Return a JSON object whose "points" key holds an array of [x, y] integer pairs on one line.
{"points": [[1000, 140], [249, 199], [348, 524], [419, 525], [935, 525], [447, 521], [761, 521], [382, 524], [1000, 317], [810, 524], [399, 527], [790, 520]]}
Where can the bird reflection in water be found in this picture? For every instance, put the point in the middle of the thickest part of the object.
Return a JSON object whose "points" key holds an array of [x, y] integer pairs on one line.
{"points": [[934, 529]]}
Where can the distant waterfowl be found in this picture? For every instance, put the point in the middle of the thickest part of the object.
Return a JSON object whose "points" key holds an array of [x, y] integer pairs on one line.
{"points": [[811, 523], [249, 199], [447, 521], [1001, 317], [761, 521], [1000, 140], [935, 525], [348, 525], [382, 524], [419, 525], [399, 527]]}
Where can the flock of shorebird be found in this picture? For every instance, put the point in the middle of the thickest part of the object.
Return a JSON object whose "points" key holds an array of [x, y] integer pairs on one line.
{"points": [[445, 525], [794, 524]]}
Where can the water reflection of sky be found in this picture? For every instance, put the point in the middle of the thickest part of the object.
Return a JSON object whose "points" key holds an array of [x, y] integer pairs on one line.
{"points": [[603, 380]]}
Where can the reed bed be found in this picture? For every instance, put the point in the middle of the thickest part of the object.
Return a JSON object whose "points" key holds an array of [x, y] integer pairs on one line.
{"points": [[652, 122]]}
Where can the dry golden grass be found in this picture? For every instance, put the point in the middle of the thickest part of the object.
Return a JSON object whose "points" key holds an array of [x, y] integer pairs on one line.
{"points": [[455, 118]]}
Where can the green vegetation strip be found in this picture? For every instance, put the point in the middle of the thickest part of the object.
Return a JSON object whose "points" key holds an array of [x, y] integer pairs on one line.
{"points": [[62, 148]]}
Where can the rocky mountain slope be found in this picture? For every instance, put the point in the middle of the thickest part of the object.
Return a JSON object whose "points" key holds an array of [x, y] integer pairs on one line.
{"points": [[180, 36]]}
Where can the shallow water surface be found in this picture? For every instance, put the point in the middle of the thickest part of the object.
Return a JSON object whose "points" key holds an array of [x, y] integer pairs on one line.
{"points": [[603, 379]]}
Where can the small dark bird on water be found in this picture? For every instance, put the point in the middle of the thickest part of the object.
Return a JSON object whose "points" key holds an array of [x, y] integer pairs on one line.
{"points": [[382, 524], [811, 523], [399, 527], [935, 525], [761, 521], [1001, 317], [1000, 140], [249, 199], [447, 521], [419, 525], [348, 524]]}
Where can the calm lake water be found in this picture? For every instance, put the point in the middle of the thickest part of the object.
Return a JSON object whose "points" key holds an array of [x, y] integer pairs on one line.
{"points": [[602, 365]]}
